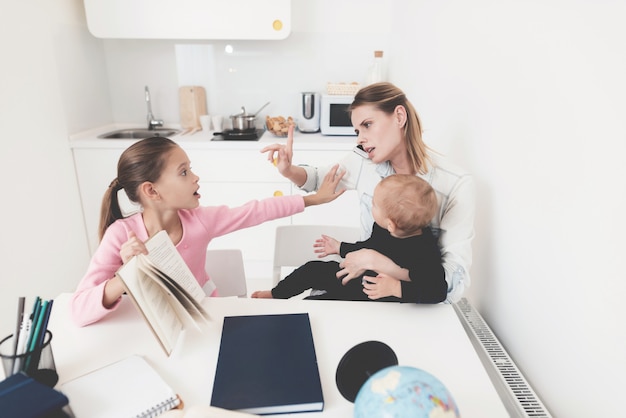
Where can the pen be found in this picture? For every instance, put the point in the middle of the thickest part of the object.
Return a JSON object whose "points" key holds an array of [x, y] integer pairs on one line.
{"points": [[18, 327], [21, 344], [33, 346], [44, 326], [33, 319]]}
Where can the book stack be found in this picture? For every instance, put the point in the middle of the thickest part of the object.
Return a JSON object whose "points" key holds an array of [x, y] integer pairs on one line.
{"points": [[24, 397]]}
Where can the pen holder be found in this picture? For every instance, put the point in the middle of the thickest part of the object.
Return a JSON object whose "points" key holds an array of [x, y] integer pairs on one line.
{"points": [[37, 363]]}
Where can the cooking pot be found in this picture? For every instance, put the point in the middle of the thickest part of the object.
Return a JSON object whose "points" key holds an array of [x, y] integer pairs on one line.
{"points": [[244, 121]]}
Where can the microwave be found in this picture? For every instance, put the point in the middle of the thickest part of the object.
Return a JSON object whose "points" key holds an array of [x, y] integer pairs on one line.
{"points": [[334, 116]]}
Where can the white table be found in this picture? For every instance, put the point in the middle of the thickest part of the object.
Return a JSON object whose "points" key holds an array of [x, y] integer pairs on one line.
{"points": [[429, 337]]}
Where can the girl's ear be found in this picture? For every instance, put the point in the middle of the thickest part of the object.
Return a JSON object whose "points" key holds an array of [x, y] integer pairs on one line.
{"points": [[147, 190], [400, 114]]}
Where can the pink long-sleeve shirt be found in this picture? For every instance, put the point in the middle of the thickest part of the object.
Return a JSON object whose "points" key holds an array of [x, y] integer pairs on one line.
{"points": [[200, 226]]}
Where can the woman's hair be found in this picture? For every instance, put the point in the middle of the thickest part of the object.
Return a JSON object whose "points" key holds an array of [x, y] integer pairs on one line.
{"points": [[143, 161], [408, 200], [386, 97]]}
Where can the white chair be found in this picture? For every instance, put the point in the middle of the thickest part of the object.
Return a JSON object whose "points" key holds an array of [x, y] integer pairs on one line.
{"points": [[294, 245], [225, 268]]}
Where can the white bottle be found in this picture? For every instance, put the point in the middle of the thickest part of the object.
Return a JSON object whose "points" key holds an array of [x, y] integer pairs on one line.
{"points": [[376, 71]]}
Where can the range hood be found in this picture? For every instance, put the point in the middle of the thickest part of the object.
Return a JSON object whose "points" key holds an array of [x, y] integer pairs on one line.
{"points": [[189, 19]]}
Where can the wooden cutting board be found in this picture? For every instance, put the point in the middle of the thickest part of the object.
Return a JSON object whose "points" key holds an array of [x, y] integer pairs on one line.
{"points": [[192, 105]]}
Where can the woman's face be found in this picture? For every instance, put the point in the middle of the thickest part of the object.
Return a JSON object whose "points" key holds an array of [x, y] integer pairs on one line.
{"points": [[379, 133]]}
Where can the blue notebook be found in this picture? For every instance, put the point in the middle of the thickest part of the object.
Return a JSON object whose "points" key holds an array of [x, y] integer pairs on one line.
{"points": [[24, 397], [267, 365]]}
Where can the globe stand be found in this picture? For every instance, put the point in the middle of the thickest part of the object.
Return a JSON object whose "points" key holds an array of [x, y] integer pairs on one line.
{"points": [[359, 363]]}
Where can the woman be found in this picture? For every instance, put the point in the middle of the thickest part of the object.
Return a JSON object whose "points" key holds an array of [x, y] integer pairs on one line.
{"points": [[389, 137]]}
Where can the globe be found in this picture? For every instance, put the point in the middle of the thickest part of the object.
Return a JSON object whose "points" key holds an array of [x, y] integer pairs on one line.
{"points": [[402, 391]]}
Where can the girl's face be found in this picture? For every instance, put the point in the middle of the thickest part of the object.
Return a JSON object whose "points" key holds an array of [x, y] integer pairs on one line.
{"points": [[178, 185], [380, 134]]}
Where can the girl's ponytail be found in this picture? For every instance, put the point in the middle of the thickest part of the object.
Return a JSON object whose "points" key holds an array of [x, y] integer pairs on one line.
{"points": [[110, 210]]}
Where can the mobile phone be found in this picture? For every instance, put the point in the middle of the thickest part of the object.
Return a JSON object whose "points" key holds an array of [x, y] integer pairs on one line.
{"points": [[359, 150]]}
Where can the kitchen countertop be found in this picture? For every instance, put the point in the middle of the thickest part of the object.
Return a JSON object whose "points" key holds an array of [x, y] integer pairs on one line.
{"points": [[202, 140]]}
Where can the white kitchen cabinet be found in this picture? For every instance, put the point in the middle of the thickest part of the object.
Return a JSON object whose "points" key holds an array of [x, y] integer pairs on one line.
{"points": [[232, 178], [229, 175], [189, 19], [253, 241], [232, 165], [95, 169]]}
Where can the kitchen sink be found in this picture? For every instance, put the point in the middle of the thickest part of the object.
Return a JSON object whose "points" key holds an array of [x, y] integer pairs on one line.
{"points": [[138, 133]]}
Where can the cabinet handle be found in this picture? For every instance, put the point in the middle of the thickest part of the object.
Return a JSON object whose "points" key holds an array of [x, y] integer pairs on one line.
{"points": [[278, 193]]}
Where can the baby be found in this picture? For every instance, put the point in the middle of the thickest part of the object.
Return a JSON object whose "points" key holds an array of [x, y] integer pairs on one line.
{"points": [[402, 207]]}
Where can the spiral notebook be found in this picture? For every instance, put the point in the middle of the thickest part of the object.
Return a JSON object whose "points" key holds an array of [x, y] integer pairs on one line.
{"points": [[127, 388]]}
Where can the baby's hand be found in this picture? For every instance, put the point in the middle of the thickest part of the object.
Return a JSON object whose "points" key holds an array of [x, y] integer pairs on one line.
{"points": [[326, 246], [381, 286], [132, 247]]}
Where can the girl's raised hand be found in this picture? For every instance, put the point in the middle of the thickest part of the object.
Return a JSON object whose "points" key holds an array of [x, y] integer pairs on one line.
{"points": [[327, 192], [132, 247]]}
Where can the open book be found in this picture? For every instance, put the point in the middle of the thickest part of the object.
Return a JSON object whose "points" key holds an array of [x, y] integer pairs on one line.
{"points": [[164, 290]]}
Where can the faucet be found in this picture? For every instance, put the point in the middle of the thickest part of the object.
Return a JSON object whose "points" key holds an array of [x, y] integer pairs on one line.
{"points": [[152, 122]]}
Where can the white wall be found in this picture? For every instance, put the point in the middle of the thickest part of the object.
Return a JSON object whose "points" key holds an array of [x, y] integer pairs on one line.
{"points": [[531, 97], [52, 83], [528, 95]]}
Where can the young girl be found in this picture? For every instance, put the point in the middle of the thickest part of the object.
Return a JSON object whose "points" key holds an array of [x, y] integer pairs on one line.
{"points": [[156, 173]]}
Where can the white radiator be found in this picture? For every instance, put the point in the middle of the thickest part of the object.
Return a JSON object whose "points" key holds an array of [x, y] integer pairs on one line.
{"points": [[517, 395]]}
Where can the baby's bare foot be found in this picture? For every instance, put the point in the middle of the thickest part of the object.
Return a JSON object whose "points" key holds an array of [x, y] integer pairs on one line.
{"points": [[262, 294]]}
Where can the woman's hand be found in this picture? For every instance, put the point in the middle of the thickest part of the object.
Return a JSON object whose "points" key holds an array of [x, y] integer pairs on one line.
{"points": [[132, 247], [381, 286], [326, 246], [327, 192], [355, 263], [281, 156]]}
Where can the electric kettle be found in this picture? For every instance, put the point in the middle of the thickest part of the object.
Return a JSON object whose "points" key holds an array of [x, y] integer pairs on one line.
{"points": [[309, 117]]}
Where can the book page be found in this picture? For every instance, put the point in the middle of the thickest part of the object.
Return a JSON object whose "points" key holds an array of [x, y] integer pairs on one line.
{"points": [[153, 303], [163, 254], [182, 302]]}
